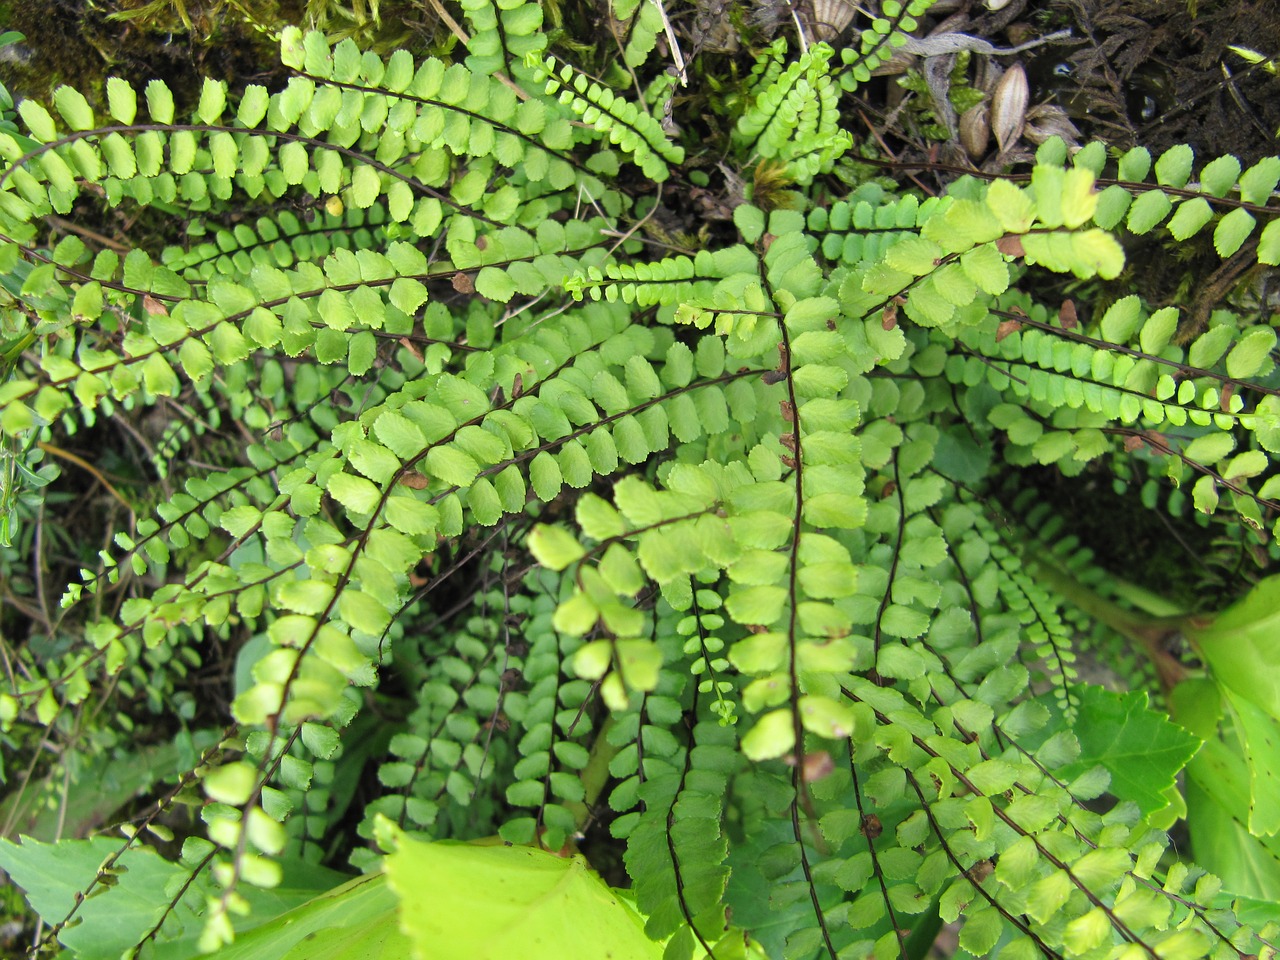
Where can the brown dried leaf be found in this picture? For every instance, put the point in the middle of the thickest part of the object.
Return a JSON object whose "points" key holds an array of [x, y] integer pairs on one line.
{"points": [[1046, 120], [414, 480], [1224, 399], [814, 766], [412, 348], [975, 130], [1009, 106], [889, 319], [1067, 315], [463, 283], [1007, 327]]}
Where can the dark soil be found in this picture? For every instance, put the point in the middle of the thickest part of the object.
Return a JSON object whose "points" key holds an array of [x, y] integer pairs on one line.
{"points": [[1162, 72]]}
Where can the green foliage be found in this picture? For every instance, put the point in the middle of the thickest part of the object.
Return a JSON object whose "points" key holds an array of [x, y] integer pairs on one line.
{"points": [[748, 580]]}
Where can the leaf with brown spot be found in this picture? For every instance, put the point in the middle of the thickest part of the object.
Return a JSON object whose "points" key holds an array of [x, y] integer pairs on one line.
{"points": [[1011, 245], [980, 871]]}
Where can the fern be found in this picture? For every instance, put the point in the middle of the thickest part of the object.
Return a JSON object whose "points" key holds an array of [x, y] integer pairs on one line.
{"points": [[721, 555]]}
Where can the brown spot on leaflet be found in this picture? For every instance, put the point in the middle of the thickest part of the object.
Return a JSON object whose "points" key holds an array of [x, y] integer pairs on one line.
{"points": [[1010, 246]]}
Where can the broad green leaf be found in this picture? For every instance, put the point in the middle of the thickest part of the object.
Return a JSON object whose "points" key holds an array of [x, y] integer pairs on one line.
{"points": [[1260, 734], [1158, 329], [1122, 319], [366, 184], [1260, 180], [496, 284], [469, 902], [53, 874], [213, 97], [1218, 809], [355, 493], [74, 108], [1142, 749], [772, 736], [1210, 448], [1240, 638], [1079, 199]]}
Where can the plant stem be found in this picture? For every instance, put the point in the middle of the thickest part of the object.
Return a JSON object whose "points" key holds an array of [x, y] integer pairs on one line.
{"points": [[1151, 634], [594, 775]]}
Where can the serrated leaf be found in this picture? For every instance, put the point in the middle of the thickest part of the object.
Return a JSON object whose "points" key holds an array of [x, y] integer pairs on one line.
{"points": [[122, 100], [1141, 749], [1173, 169], [495, 284], [554, 547], [1147, 210], [1251, 352], [1219, 175], [1190, 216], [1232, 231], [451, 465], [1258, 182]]}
